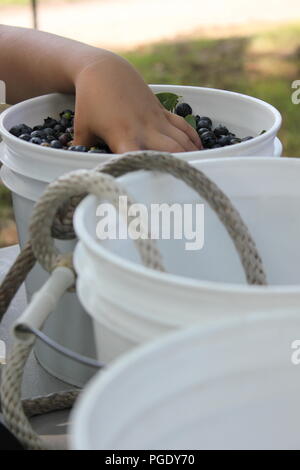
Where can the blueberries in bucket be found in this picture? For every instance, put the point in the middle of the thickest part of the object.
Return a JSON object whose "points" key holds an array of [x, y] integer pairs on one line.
{"points": [[59, 133], [56, 134]]}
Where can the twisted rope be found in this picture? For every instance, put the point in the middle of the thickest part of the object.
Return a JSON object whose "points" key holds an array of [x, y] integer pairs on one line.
{"points": [[52, 216]]}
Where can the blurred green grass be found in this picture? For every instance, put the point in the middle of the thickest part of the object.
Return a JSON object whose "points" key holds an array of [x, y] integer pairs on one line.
{"points": [[263, 65]]}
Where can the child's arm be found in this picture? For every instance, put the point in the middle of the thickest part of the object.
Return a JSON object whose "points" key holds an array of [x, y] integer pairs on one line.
{"points": [[112, 100]]}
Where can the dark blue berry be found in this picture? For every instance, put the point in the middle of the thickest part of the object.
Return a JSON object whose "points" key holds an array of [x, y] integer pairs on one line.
{"points": [[36, 140], [204, 123], [216, 146], [41, 134], [223, 140], [50, 122], [65, 123], [55, 144], [58, 128], [93, 150], [234, 140], [249, 137], [49, 131], [183, 109], [64, 138], [38, 128], [20, 129], [25, 137], [202, 130], [80, 148], [221, 130]]}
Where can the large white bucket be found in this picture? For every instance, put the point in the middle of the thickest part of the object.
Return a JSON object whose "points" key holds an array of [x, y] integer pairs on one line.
{"points": [[228, 386], [130, 303], [27, 169]]}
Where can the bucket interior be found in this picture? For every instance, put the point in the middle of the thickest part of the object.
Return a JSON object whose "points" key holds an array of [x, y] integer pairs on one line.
{"points": [[265, 192]]}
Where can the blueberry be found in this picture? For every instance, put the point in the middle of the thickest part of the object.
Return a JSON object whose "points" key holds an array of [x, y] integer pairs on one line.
{"points": [[65, 123], [204, 123], [208, 135], [202, 130], [80, 148], [208, 139], [50, 122], [249, 137], [20, 129], [183, 109], [38, 128], [207, 119], [94, 150], [49, 131], [197, 117], [36, 140], [48, 138], [64, 138], [72, 148], [234, 140], [41, 134], [58, 128], [221, 130], [25, 137], [70, 130], [223, 140], [55, 144]]}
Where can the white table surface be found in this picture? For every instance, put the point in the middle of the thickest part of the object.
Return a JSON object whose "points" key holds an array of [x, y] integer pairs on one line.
{"points": [[36, 380]]}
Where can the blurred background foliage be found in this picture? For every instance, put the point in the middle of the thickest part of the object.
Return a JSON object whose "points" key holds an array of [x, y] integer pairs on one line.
{"points": [[262, 63]]}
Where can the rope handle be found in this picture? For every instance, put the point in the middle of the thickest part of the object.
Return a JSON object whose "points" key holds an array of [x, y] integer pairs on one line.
{"points": [[93, 182], [100, 183]]}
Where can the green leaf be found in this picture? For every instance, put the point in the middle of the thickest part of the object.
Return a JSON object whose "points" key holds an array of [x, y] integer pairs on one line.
{"points": [[168, 100], [191, 120]]}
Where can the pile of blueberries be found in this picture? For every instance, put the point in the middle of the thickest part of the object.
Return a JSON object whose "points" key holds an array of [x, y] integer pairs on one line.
{"points": [[211, 138], [57, 134]]}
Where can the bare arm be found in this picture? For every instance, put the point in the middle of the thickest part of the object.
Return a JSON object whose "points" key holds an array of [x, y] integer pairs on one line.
{"points": [[112, 100]]}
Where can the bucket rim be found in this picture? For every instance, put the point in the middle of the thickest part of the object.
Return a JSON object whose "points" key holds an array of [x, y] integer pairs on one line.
{"points": [[58, 153], [176, 280], [81, 413]]}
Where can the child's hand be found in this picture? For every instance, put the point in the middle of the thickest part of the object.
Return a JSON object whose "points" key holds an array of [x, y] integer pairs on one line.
{"points": [[114, 103]]}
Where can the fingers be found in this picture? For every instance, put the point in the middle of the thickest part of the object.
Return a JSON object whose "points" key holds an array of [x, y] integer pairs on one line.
{"points": [[158, 142], [182, 139], [185, 127]]}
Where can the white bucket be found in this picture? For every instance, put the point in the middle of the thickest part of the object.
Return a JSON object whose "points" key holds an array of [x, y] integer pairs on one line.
{"points": [[230, 386], [28, 168], [244, 115], [130, 303]]}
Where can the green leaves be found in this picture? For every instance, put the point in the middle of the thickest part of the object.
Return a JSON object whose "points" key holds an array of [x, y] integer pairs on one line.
{"points": [[191, 120], [168, 100]]}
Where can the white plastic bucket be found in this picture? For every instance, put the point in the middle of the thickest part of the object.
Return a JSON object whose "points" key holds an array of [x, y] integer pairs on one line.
{"points": [[131, 304], [28, 168], [229, 386], [244, 115]]}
